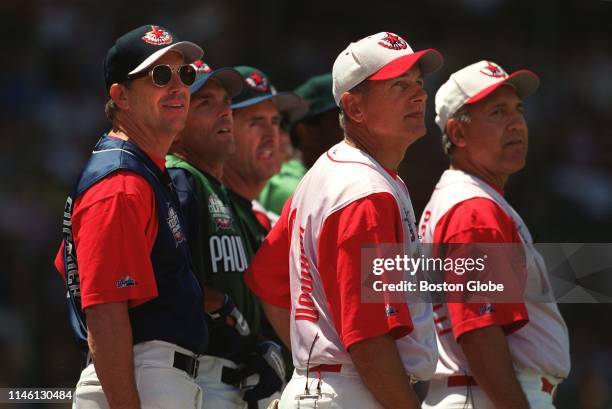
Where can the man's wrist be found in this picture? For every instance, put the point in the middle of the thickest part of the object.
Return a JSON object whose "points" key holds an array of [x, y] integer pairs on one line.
{"points": [[213, 300]]}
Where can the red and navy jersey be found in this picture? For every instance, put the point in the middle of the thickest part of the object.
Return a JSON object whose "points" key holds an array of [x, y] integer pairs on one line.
{"points": [[123, 241]]}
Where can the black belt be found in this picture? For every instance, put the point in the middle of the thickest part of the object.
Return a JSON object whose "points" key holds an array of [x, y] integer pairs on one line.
{"points": [[186, 363], [183, 362], [230, 376]]}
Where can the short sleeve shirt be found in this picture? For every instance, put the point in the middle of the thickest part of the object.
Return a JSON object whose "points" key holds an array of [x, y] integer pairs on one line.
{"points": [[114, 225], [366, 220], [480, 220]]}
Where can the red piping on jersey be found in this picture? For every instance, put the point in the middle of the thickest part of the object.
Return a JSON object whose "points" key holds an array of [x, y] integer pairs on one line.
{"points": [[498, 189], [393, 174], [349, 161]]}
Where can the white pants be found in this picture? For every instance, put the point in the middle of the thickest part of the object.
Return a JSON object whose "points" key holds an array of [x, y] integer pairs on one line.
{"points": [[218, 394], [221, 395], [339, 390], [159, 384], [441, 396]]}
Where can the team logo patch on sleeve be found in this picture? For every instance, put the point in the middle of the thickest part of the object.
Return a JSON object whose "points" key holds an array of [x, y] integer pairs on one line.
{"points": [[124, 282], [390, 310], [486, 309], [157, 36], [257, 81], [393, 42], [493, 70], [175, 225]]}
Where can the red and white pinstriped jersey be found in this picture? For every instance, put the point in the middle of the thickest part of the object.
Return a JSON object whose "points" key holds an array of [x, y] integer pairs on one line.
{"points": [[341, 179], [464, 209]]}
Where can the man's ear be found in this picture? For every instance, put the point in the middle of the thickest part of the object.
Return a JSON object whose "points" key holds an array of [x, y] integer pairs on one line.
{"points": [[455, 130], [119, 95], [353, 107]]}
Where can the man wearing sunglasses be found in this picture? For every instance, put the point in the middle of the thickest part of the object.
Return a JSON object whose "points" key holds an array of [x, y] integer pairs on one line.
{"points": [[135, 304]]}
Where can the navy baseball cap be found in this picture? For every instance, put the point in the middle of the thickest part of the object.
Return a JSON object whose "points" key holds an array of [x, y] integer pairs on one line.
{"points": [[257, 88], [318, 92], [137, 50], [229, 78]]}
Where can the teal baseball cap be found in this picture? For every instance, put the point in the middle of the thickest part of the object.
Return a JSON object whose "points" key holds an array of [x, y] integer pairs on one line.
{"points": [[317, 91], [229, 78], [257, 88]]}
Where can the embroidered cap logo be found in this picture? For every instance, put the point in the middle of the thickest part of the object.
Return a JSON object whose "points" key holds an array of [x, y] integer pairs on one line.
{"points": [[393, 42], [201, 67], [157, 36], [257, 81], [494, 71]]}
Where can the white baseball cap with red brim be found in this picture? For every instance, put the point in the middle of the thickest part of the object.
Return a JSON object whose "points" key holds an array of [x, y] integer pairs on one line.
{"points": [[475, 82], [378, 57]]}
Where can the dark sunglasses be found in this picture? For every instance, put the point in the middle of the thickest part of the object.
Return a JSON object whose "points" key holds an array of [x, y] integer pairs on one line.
{"points": [[161, 75]]}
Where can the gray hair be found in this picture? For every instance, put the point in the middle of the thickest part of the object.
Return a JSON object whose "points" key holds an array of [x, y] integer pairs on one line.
{"points": [[462, 115], [342, 119], [361, 88]]}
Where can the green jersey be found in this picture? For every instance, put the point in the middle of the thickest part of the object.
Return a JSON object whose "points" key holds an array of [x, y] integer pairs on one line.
{"points": [[282, 185], [255, 232], [219, 249]]}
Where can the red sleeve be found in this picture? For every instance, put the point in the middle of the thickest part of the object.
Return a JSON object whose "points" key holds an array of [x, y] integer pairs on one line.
{"points": [[262, 218], [370, 220], [114, 224], [59, 261], [481, 220], [268, 274]]}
